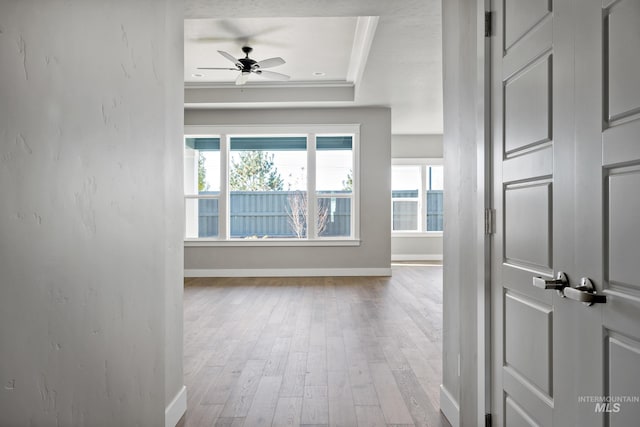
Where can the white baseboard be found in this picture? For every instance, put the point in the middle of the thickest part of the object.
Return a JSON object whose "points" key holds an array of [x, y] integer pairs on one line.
{"points": [[449, 407], [416, 257], [176, 409], [287, 272]]}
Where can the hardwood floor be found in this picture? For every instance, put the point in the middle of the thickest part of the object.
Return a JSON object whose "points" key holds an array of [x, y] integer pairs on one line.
{"points": [[314, 351]]}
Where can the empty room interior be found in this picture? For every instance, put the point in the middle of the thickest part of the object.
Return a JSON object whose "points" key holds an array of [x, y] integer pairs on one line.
{"points": [[313, 217], [319, 213]]}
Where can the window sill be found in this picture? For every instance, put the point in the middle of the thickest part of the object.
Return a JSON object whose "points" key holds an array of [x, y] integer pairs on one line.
{"points": [[270, 242], [416, 234]]}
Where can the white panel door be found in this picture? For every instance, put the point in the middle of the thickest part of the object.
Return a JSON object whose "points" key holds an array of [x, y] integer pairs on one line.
{"points": [[566, 143]]}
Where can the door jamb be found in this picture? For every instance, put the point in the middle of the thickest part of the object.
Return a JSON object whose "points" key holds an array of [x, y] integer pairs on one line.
{"points": [[484, 203]]}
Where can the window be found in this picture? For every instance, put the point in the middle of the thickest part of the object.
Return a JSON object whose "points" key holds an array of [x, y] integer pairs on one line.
{"points": [[202, 186], [334, 184], [266, 186], [416, 195]]}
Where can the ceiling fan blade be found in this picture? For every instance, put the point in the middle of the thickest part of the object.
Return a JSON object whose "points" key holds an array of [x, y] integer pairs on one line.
{"points": [[268, 63], [273, 75], [213, 39], [242, 41], [242, 34], [242, 78], [230, 58], [232, 28], [215, 68]]}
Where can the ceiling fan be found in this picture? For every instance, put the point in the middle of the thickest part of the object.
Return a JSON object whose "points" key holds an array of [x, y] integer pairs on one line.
{"points": [[246, 66]]}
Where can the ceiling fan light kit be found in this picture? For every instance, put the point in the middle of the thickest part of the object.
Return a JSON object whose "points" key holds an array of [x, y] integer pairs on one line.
{"points": [[247, 65]]}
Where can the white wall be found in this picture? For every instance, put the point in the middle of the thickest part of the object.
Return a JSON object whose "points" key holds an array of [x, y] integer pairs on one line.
{"points": [[462, 213], [375, 196], [416, 248], [407, 146], [173, 214], [413, 247], [90, 125]]}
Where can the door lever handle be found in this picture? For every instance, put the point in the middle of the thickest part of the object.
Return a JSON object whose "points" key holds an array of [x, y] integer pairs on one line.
{"points": [[559, 283], [585, 293]]}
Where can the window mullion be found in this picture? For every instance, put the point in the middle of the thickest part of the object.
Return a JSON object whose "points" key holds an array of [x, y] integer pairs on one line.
{"points": [[312, 200], [355, 191], [223, 203], [423, 199], [191, 187]]}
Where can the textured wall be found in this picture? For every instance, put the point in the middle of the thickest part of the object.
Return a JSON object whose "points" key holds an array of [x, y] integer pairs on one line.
{"points": [[460, 33], [86, 107], [173, 200], [375, 194]]}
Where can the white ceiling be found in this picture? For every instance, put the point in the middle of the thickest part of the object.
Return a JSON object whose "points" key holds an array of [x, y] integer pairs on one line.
{"points": [[403, 68], [294, 39]]}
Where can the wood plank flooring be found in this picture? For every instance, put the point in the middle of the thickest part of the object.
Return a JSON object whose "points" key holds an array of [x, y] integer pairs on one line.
{"points": [[314, 351]]}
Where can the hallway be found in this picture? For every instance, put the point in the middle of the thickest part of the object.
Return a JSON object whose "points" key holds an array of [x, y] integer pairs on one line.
{"points": [[314, 351]]}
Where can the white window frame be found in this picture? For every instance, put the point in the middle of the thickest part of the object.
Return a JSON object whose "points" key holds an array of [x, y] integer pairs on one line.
{"points": [[312, 239], [423, 163]]}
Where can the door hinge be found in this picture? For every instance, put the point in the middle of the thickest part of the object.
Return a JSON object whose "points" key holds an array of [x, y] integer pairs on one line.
{"points": [[489, 221], [488, 24], [487, 420]]}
